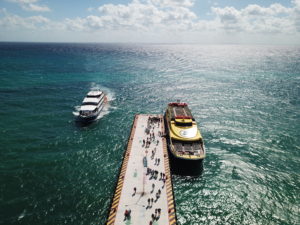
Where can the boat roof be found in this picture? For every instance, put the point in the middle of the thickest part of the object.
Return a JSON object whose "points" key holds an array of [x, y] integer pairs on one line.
{"points": [[92, 100], [94, 93], [180, 111], [88, 107]]}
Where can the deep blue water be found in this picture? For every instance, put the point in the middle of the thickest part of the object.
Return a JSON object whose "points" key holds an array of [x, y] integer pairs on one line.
{"points": [[246, 100]]}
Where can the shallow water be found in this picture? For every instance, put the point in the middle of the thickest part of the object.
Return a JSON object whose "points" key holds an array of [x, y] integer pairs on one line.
{"points": [[246, 100]]}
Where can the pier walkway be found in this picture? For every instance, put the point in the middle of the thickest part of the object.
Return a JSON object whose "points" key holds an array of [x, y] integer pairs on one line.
{"points": [[144, 193]]}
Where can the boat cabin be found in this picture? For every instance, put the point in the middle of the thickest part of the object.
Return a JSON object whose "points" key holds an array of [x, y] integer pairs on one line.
{"points": [[86, 110], [91, 101], [94, 94], [180, 112]]}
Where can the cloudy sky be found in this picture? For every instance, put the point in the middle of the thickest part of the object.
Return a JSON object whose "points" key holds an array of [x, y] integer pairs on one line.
{"points": [[154, 21]]}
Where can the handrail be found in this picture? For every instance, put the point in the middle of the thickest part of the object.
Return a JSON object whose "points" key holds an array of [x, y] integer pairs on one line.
{"points": [[183, 117]]}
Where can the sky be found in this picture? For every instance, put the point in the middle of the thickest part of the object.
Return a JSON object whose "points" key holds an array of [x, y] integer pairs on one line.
{"points": [[152, 21]]}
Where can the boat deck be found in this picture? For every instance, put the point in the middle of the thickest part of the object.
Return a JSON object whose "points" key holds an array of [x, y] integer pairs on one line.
{"points": [[144, 193], [180, 111], [183, 148]]}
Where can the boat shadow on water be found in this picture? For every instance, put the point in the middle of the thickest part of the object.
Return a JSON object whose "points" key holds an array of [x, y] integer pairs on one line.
{"points": [[83, 124], [185, 168]]}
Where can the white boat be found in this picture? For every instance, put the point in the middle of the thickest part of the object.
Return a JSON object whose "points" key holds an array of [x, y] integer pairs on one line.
{"points": [[92, 105]]}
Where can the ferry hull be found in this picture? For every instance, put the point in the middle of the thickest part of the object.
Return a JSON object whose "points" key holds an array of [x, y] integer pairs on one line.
{"points": [[88, 119]]}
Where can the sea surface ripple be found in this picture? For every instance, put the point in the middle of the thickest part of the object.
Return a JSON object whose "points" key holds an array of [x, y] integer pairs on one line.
{"points": [[246, 100]]}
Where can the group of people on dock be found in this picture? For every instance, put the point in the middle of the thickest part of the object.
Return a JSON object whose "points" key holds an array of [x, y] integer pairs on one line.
{"points": [[154, 175], [155, 216]]}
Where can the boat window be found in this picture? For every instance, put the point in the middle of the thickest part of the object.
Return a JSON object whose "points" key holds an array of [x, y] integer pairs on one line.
{"points": [[85, 113], [90, 103], [183, 124], [188, 146], [94, 96]]}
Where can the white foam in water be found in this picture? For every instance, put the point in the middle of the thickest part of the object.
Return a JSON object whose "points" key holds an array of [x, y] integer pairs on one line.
{"points": [[76, 112], [110, 95], [106, 109], [21, 216]]}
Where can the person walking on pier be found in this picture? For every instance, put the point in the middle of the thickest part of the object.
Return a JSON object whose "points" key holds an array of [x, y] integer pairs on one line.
{"points": [[157, 214], [153, 186], [148, 171], [134, 191], [127, 214], [149, 201], [153, 217], [157, 196]]}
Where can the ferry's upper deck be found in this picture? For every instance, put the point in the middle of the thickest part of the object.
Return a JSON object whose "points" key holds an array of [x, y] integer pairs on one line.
{"points": [[179, 110]]}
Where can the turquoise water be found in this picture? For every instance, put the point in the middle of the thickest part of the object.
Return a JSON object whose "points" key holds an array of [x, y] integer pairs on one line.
{"points": [[246, 100]]}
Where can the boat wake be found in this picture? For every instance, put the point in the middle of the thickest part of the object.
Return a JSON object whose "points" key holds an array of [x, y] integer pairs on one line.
{"points": [[76, 112], [107, 107]]}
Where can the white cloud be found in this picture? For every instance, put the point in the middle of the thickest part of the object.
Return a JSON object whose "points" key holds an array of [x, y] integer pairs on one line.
{"points": [[90, 9], [13, 21], [155, 18], [157, 15], [229, 18], [135, 16], [29, 5], [296, 14], [23, 1], [256, 19], [173, 3], [273, 10], [34, 7], [77, 24], [145, 16]]}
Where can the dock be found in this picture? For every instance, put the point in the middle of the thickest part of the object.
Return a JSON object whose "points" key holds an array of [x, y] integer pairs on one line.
{"points": [[144, 193]]}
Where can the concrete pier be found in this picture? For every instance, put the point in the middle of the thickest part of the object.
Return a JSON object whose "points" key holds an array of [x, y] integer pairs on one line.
{"points": [[144, 193]]}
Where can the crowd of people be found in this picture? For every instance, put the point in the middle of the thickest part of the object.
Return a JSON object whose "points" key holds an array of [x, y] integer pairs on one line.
{"points": [[153, 174]]}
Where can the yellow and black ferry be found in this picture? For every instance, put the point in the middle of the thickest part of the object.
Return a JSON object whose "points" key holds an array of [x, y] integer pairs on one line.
{"points": [[185, 143]]}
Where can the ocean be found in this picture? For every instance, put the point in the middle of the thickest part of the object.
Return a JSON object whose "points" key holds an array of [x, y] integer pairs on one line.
{"points": [[246, 100]]}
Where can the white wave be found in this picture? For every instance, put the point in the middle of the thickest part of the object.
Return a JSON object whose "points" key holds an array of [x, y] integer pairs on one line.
{"points": [[109, 93], [104, 111], [22, 215], [76, 112], [110, 96]]}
